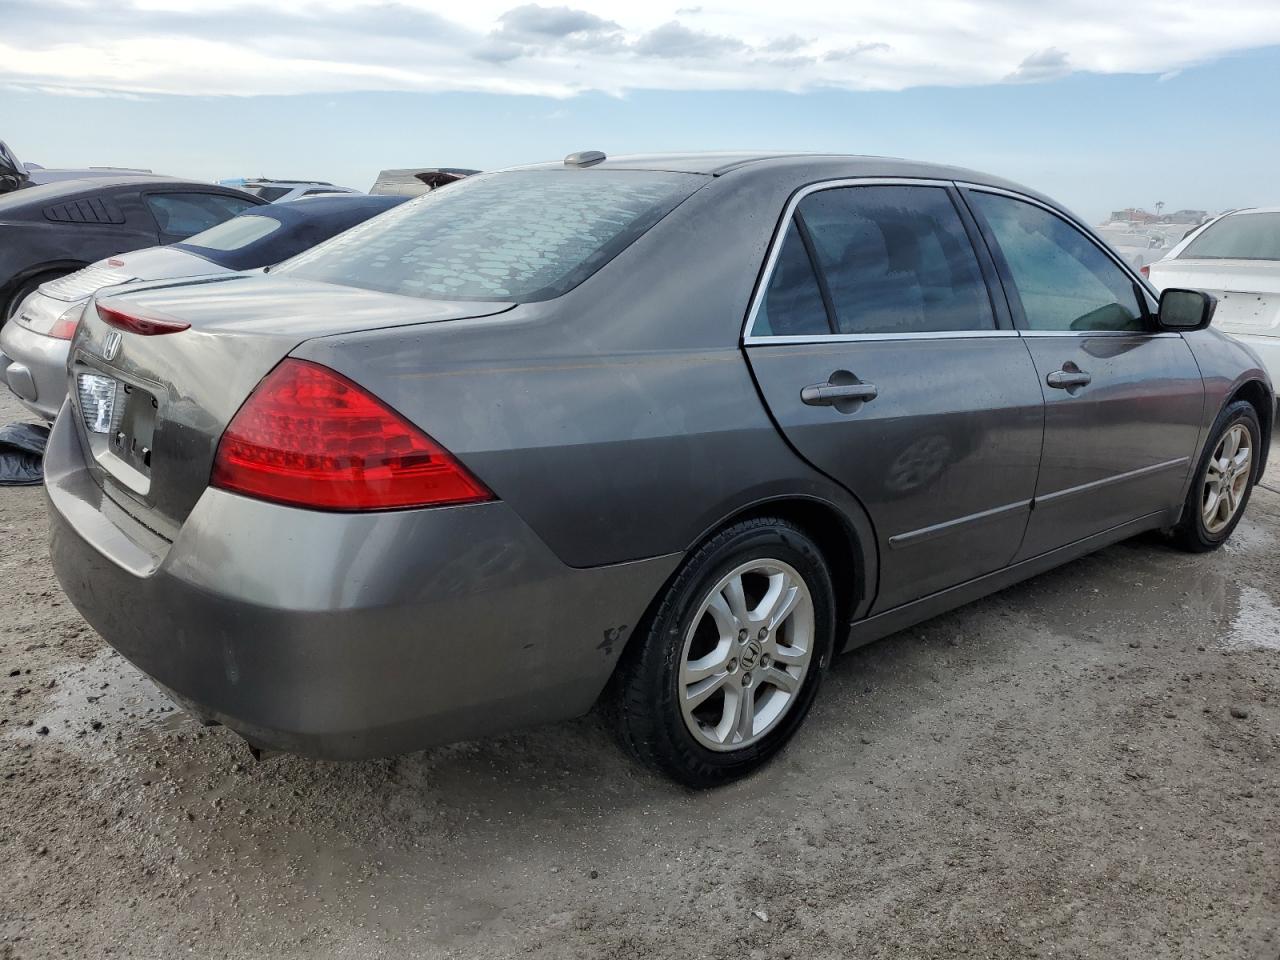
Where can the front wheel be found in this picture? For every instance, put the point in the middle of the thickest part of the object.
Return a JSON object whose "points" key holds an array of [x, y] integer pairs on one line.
{"points": [[733, 656], [1223, 480]]}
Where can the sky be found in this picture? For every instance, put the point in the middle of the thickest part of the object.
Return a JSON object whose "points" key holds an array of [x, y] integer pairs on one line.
{"points": [[1100, 104]]}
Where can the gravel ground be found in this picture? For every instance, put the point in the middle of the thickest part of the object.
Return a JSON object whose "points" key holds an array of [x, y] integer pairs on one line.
{"points": [[1085, 765]]}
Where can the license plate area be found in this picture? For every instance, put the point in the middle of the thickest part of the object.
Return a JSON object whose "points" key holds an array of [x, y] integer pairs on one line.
{"points": [[119, 420], [1246, 313], [132, 439]]}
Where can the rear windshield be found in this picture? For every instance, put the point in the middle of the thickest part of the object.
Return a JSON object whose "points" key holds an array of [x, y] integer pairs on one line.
{"points": [[234, 233], [1240, 236], [520, 236]]}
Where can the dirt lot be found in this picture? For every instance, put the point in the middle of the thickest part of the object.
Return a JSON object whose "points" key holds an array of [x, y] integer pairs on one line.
{"points": [[1087, 765]]}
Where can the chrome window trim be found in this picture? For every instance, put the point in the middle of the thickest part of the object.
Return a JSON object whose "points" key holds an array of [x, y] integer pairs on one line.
{"points": [[775, 249], [1143, 284], [1144, 334], [873, 337]]}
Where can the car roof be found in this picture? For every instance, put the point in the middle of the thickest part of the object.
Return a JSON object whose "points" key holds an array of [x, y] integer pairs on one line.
{"points": [[303, 224], [65, 189], [1245, 210], [847, 165], [335, 205]]}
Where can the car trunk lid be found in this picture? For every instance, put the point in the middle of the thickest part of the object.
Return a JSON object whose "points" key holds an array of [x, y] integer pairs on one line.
{"points": [[1248, 291], [151, 409]]}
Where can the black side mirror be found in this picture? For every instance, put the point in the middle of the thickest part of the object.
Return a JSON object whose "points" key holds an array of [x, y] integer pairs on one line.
{"points": [[1183, 310]]}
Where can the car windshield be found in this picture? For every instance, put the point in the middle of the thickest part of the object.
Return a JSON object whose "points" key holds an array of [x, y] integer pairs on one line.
{"points": [[520, 236], [1240, 236], [234, 233]]}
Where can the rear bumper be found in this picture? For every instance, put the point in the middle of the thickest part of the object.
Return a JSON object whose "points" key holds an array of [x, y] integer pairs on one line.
{"points": [[1267, 349], [344, 636], [34, 368]]}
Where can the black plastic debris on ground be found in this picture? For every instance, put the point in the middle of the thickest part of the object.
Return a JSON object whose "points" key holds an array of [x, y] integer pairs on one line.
{"points": [[22, 454]]}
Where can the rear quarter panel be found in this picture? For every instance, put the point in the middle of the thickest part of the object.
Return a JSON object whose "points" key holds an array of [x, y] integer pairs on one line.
{"points": [[621, 420]]}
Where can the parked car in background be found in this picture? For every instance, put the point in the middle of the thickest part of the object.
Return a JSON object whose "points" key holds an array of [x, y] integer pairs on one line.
{"points": [[1237, 259], [1137, 245], [34, 345], [49, 231], [415, 181], [283, 191], [14, 174], [680, 426]]}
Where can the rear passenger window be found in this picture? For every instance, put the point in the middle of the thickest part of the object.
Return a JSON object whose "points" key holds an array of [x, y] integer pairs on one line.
{"points": [[1064, 280], [896, 259], [185, 214], [792, 305]]}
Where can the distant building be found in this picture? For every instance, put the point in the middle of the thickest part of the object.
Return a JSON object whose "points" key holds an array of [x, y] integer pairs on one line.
{"points": [[1134, 215], [1138, 215]]}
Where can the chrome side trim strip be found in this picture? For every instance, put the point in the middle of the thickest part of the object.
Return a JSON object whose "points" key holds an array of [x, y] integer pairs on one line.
{"points": [[1109, 481], [872, 337], [1143, 334], [925, 534]]}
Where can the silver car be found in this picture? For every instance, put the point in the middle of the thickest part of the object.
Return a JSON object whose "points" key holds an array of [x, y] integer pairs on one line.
{"points": [[34, 345], [674, 430]]}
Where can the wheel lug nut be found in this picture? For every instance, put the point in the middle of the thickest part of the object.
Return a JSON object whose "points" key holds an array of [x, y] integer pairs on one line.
{"points": [[764, 661], [764, 632], [746, 679], [733, 664], [742, 636]]}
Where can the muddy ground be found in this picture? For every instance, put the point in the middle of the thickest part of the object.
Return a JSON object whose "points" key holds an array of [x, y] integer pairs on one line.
{"points": [[1087, 765]]}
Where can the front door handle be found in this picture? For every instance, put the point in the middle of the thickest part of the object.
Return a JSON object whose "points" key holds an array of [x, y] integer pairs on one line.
{"points": [[835, 394], [1069, 377]]}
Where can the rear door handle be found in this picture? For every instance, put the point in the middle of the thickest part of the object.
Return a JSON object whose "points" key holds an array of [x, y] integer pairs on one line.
{"points": [[829, 394], [1068, 377]]}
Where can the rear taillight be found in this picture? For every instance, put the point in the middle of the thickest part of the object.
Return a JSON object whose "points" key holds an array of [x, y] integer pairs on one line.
{"points": [[1145, 270], [64, 328], [309, 437], [143, 326]]}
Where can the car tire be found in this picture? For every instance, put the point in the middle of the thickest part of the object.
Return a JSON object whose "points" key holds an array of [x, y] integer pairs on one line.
{"points": [[1218, 496], [746, 625]]}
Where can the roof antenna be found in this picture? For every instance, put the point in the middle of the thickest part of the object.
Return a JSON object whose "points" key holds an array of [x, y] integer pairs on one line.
{"points": [[584, 158]]}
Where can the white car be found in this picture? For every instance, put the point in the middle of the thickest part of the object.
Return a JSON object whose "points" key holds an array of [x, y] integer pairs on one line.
{"points": [[1237, 259]]}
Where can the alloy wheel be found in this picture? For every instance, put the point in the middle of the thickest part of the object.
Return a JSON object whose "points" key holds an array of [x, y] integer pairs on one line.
{"points": [[1226, 478], [746, 654]]}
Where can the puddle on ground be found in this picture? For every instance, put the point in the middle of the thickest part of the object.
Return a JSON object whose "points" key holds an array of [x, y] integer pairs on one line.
{"points": [[1256, 624], [106, 698]]}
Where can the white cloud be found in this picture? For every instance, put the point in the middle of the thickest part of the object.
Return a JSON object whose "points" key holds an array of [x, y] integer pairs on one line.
{"points": [[143, 47]]}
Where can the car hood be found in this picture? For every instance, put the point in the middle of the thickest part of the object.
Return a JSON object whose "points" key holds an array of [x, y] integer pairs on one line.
{"points": [[152, 263]]}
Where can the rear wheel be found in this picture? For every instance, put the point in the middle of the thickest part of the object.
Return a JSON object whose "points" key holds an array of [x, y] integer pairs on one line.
{"points": [[1223, 481], [733, 657]]}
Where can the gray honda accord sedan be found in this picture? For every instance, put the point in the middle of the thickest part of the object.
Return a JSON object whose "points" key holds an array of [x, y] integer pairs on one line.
{"points": [[671, 430]]}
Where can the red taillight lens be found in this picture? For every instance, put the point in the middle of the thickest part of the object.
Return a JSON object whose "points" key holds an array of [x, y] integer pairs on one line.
{"points": [[143, 326], [309, 437], [1145, 270], [64, 328]]}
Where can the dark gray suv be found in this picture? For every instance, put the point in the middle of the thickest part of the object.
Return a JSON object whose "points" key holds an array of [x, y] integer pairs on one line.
{"points": [[674, 428]]}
